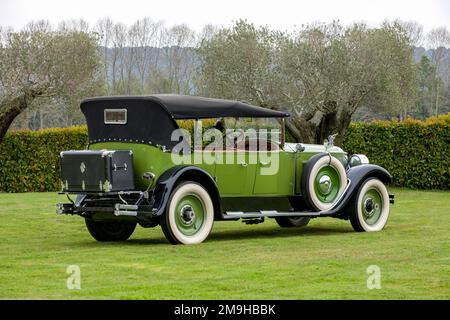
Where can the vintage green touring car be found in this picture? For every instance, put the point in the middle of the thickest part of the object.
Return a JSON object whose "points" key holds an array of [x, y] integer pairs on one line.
{"points": [[140, 168]]}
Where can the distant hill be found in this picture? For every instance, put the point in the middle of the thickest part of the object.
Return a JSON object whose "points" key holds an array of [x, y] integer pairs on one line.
{"points": [[161, 58], [150, 61], [172, 69]]}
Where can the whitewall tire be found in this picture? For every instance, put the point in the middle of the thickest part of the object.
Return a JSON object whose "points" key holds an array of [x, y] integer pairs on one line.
{"points": [[189, 216], [370, 208]]}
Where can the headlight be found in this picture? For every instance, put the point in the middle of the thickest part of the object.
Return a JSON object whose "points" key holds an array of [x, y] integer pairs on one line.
{"points": [[358, 159]]}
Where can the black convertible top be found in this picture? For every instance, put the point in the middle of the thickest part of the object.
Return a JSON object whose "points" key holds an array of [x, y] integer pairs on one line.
{"points": [[193, 107], [151, 119]]}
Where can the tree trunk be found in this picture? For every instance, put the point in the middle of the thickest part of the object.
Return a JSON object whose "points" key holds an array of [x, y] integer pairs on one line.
{"points": [[41, 120], [437, 99], [10, 108], [300, 130], [319, 127]]}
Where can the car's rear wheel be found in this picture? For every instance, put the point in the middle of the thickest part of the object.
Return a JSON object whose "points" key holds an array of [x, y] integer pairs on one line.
{"points": [[291, 222], [323, 182], [369, 209], [110, 230], [189, 216]]}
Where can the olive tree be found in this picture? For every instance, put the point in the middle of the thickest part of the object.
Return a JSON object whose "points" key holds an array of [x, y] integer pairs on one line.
{"points": [[40, 63], [322, 73]]}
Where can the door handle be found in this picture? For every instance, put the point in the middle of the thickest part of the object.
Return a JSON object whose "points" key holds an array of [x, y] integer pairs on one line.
{"points": [[243, 164]]}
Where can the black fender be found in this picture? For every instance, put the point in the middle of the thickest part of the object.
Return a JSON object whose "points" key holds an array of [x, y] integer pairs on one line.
{"points": [[356, 176], [169, 180]]}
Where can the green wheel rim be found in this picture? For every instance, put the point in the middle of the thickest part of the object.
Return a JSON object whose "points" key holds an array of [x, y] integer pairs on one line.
{"points": [[330, 173], [189, 215], [372, 206]]}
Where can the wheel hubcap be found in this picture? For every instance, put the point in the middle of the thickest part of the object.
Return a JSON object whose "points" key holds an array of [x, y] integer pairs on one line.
{"points": [[187, 214], [190, 214], [372, 206], [369, 207], [327, 184]]}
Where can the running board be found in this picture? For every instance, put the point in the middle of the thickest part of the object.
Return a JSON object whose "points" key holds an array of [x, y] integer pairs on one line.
{"points": [[274, 213], [268, 213]]}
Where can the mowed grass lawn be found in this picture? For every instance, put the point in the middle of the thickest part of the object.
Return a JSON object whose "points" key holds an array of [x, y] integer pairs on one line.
{"points": [[325, 260]]}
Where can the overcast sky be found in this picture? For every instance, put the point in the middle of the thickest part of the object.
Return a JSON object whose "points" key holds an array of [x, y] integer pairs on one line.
{"points": [[279, 14]]}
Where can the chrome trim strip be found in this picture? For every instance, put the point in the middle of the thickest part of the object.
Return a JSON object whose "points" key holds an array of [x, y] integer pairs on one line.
{"points": [[273, 213]]}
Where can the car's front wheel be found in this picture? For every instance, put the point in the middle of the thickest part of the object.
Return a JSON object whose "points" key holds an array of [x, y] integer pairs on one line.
{"points": [[110, 230], [369, 210], [189, 216]]}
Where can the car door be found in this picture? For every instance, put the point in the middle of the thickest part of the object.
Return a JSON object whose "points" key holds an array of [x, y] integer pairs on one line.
{"points": [[235, 172], [274, 172]]}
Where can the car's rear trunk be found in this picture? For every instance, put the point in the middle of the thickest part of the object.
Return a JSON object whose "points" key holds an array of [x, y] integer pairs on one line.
{"points": [[97, 171]]}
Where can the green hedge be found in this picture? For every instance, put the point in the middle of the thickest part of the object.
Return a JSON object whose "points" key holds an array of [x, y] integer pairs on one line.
{"points": [[417, 153], [29, 160]]}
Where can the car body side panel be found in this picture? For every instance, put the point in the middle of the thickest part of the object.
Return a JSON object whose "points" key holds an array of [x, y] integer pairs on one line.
{"points": [[145, 158], [235, 173], [262, 175], [149, 158], [274, 174]]}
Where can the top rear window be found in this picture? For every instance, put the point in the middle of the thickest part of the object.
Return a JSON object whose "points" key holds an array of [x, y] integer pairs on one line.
{"points": [[115, 116]]}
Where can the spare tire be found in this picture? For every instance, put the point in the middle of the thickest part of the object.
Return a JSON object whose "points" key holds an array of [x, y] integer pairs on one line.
{"points": [[323, 181]]}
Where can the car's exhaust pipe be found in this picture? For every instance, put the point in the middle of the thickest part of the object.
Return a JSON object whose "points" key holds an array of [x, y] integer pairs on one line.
{"points": [[129, 210]]}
